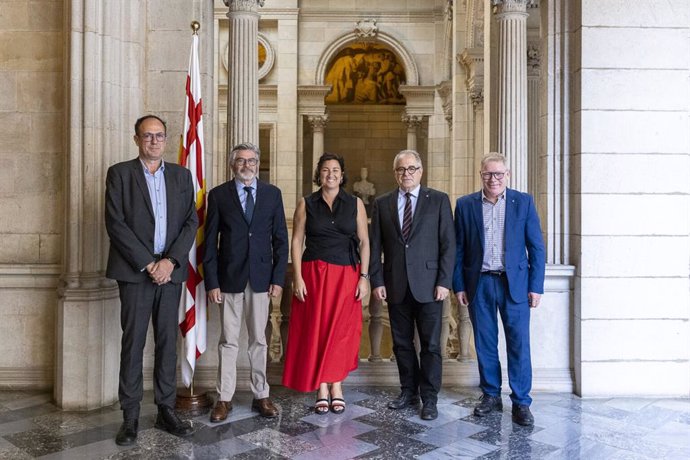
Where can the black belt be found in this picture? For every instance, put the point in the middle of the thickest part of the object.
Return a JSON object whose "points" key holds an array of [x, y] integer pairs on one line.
{"points": [[494, 273]]}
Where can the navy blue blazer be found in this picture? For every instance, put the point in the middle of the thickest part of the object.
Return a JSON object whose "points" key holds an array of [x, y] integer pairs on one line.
{"points": [[524, 245], [237, 252], [130, 223]]}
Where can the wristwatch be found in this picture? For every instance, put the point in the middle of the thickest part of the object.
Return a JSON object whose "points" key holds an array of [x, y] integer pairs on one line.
{"points": [[173, 261], [364, 275]]}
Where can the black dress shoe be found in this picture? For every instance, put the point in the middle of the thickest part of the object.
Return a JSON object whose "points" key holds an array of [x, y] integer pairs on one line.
{"points": [[169, 421], [127, 434], [522, 415], [429, 411], [404, 400], [487, 404]]}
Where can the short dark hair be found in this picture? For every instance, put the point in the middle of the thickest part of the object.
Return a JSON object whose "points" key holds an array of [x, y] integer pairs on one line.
{"points": [[138, 123], [327, 157]]}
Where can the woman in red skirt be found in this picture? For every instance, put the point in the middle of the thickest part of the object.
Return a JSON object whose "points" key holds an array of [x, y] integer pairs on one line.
{"points": [[326, 319]]}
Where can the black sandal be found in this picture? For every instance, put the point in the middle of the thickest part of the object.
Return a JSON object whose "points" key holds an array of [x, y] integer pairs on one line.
{"points": [[337, 405], [321, 406]]}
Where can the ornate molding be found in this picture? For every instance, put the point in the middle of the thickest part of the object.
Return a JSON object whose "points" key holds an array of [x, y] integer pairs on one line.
{"points": [[420, 99], [533, 59], [445, 92], [250, 6], [477, 97], [510, 6], [310, 99], [318, 122], [366, 30], [412, 121]]}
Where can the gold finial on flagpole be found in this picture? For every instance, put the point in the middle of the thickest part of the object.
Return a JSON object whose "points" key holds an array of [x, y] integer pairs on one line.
{"points": [[195, 27]]}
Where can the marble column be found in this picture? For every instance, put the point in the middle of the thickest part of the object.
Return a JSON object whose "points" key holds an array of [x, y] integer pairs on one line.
{"points": [[102, 104], [413, 122], [511, 17], [533, 126], [243, 71], [473, 60], [318, 124]]}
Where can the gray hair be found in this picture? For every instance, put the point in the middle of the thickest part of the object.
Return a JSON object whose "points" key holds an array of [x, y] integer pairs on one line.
{"points": [[404, 153], [244, 146], [494, 156]]}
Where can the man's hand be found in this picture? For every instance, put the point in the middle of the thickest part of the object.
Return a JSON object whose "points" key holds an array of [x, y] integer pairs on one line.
{"points": [[534, 299], [462, 298], [440, 293], [380, 293], [214, 296], [160, 273], [274, 290]]}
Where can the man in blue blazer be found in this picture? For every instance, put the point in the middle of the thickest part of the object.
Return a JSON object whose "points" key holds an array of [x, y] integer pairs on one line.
{"points": [[499, 267], [150, 216], [412, 228], [245, 261]]}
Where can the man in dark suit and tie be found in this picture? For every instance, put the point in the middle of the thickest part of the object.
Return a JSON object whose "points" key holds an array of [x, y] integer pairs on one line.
{"points": [[412, 227], [244, 263], [150, 216], [499, 267]]}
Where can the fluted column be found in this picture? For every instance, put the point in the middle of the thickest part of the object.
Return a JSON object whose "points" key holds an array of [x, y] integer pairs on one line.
{"points": [[413, 122], [511, 16], [318, 124], [243, 70], [533, 137]]}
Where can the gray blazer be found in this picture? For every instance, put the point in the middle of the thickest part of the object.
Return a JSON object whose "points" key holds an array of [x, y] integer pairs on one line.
{"points": [[426, 260], [130, 223]]}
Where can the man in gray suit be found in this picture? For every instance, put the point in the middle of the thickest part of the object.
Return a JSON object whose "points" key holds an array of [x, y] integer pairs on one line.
{"points": [[150, 216], [412, 227]]}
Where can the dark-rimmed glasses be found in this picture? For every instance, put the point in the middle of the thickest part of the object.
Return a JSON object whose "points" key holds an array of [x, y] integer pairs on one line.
{"points": [[496, 175], [410, 170], [246, 161]]}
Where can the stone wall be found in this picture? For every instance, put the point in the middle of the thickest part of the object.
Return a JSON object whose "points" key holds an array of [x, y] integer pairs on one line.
{"points": [[31, 186], [631, 196]]}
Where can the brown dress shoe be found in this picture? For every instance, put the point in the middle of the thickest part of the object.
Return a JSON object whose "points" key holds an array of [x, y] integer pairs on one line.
{"points": [[220, 411], [265, 407]]}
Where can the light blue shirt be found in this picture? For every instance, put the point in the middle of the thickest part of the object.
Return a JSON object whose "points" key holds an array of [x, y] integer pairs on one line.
{"points": [[401, 202], [242, 193], [156, 185], [494, 233]]}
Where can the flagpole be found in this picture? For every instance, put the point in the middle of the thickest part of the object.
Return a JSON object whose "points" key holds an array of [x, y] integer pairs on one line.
{"points": [[193, 298]]}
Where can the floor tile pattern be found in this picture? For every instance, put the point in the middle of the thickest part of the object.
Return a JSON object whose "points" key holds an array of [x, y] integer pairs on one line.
{"points": [[566, 427]]}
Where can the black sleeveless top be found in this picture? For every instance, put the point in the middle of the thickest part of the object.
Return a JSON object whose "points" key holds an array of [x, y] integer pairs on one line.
{"points": [[331, 236]]}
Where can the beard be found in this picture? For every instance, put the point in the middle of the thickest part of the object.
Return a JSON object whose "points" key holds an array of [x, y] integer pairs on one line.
{"points": [[245, 174]]}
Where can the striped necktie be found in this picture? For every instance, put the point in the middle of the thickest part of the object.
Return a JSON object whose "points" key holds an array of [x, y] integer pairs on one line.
{"points": [[407, 217]]}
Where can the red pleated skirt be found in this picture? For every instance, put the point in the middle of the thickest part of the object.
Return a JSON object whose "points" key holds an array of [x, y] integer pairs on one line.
{"points": [[325, 330]]}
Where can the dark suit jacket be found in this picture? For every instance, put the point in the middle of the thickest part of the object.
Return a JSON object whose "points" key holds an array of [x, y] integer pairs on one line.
{"points": [[426, 260], [524, 245], [237, 252], [130, 223]]}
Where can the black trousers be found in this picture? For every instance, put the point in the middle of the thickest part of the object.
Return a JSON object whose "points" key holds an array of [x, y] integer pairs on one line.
{"points": [[140, 303], [421, 375]]}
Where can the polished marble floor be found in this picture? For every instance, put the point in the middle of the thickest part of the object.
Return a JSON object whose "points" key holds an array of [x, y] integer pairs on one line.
{"points": [[566, 427]]}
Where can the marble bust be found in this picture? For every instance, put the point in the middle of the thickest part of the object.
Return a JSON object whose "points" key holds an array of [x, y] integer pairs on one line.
{"points": [[363, 188]]}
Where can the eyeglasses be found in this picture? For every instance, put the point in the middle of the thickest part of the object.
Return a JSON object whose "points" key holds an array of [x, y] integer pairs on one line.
{"points": [[148, 137], [496, 175], [246, 161], [410, 170]]}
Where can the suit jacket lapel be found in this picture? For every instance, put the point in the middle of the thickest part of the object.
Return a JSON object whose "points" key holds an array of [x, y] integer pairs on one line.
{"points": [[395, 219], [138, 173], [478, 214], [511, 214], [422, 202], [235, 198]]}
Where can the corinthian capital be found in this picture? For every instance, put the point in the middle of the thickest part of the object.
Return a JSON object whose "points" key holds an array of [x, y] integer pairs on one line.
{"points": [[318, 122], [412, 121], [251, 6], [510, 6]]}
